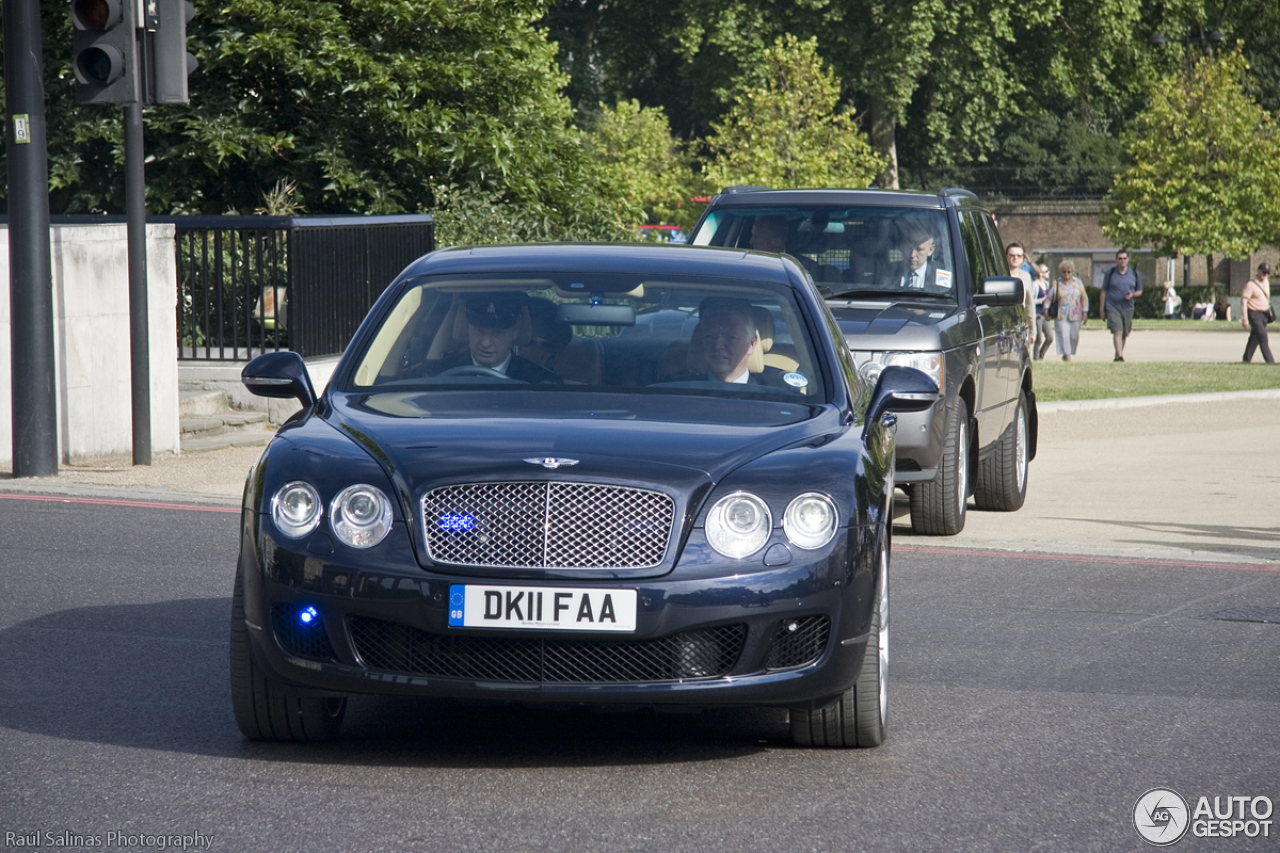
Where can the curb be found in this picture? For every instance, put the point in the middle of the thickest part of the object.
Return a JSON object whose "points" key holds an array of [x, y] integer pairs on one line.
{"points": [[1157, 400]]}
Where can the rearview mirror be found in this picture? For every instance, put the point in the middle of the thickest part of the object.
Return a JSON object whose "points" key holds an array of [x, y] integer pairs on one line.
{"points": [[1000, 290], [901, 389], [279, 374]]}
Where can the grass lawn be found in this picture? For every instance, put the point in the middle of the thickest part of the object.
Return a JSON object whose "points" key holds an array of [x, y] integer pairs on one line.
{"points": [[1056, 380]]}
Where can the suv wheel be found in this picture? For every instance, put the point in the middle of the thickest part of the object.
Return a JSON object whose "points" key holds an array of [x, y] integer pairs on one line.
{"points": [[938, 507], [1002, 477]]}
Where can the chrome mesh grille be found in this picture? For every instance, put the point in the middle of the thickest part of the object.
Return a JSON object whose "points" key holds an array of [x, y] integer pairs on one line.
{"points": [[547, 525], [798, 642], [393, 647], [309, 641]]}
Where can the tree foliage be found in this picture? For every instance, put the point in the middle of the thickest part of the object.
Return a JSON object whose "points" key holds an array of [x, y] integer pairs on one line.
{"points": [[650, 172], [790, 131], [366, 106], [1205, 170]]}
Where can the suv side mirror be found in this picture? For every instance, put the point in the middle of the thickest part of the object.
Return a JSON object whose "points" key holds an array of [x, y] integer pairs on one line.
{"points": [[1000, 290], [901, 389], [280, 374]]}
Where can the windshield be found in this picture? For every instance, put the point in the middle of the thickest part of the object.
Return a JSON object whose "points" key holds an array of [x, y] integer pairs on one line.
{"points": [[596, 334], [853, 251]]}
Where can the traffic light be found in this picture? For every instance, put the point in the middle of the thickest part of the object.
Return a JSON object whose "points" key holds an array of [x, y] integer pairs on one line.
{"points": [[104, 47], [170, 62]]}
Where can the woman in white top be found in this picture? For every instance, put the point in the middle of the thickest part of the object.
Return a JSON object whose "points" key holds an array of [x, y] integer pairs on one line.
{"points": [[1255, 300]]}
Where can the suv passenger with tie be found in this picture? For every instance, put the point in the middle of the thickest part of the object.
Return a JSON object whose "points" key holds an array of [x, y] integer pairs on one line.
{"points": [[918, 280]]}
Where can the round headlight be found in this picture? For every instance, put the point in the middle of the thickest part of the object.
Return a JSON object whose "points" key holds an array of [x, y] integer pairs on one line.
{"points": [[739, 525], [870, 371], [361, 516], [810, 521], [296, 509]]}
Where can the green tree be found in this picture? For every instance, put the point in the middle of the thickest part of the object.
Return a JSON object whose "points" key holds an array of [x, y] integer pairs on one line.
{"points": [[649, 173], [366, 106], [1205, 170], [791, 131]]}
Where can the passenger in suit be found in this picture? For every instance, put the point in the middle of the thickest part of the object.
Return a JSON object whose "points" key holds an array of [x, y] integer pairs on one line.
{"points": [[918, 244], [727, 336], [493, 324]]}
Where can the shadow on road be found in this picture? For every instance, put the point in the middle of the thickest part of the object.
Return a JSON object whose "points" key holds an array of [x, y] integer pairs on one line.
{"points": [[155, 676]]}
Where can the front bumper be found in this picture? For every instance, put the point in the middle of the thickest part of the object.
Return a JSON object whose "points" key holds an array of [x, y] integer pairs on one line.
{"points": [[919, 441], [779, 635]]}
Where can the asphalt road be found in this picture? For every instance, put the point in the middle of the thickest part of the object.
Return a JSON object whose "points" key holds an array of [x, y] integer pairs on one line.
{"points": [[1033, 698]]}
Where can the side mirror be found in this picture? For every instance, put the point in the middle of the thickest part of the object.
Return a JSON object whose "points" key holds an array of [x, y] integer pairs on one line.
{"points": [[1000, 290], [279, 374], [901, 389]]}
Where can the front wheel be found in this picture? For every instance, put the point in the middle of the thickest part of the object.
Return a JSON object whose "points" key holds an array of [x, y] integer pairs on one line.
{"points": [[857, 717], [938, 506], [264, 708], [1002, 477]]}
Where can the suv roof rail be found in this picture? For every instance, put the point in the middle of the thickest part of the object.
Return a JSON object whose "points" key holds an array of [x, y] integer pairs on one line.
{"points": [[956, 192], [745, 188]]}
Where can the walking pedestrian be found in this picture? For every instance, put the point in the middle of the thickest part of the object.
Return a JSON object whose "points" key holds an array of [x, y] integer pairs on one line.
{"points": [[1255, 305], [1044, 323], [1073, 309], [1016, 256], [1120, 286]]}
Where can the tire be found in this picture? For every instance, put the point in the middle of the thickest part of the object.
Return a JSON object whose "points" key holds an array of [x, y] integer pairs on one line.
{"points": [[264, 708], [857, 717], [938, 507], [1002, 477]]}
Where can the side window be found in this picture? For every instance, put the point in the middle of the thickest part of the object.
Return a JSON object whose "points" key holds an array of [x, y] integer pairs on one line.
{"points": [[995, 250], [970, 230]]}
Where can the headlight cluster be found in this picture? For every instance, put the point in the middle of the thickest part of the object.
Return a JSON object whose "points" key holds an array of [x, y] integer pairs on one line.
{"points": [[870, 364], [360, 516], [739, 524]]}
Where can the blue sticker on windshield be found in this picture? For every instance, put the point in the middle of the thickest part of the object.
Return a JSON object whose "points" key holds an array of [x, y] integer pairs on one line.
{"points": [[795, 380]]}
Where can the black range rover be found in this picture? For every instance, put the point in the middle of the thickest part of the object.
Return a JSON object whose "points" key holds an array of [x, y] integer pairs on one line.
{"points": [[917, 280]]}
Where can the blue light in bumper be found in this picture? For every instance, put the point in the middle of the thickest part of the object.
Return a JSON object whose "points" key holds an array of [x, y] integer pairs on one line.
{"points": [[308, 616]]}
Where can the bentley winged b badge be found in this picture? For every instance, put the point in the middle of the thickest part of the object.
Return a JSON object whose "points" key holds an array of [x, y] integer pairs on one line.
{"points": [[551, 462]]}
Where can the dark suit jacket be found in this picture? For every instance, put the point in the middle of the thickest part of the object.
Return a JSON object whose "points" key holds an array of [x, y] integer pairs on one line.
{"points": [[519, 368], [771, 377], [930, 279]]}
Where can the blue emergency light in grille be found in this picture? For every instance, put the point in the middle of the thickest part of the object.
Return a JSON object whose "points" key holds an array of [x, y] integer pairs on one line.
{"points": [[547, 525]]}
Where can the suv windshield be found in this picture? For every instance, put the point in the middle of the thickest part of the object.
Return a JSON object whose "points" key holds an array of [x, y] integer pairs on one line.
{"points": [[583, 333], [853, 251]]}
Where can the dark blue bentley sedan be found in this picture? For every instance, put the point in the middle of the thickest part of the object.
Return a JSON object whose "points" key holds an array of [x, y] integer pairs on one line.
{"points": [[631, 474]]}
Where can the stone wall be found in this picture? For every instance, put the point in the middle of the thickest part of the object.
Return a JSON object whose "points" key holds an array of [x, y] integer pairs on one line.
{"points": [[90, 269]]}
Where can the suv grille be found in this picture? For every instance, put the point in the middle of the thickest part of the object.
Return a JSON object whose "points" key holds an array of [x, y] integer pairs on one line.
{"points": [[547, 525], [392, 647]]}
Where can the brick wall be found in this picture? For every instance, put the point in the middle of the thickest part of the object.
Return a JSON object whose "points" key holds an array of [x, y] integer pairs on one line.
{"points": [[1047, 225]]}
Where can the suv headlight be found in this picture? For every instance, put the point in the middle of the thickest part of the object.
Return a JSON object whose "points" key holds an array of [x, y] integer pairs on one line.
{"points": [[296, 509], [870, 364], [361, 516], [810, 520], [739, 525]]}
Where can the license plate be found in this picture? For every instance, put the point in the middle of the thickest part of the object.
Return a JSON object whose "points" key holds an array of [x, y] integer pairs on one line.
{"points": [[542, 607]]}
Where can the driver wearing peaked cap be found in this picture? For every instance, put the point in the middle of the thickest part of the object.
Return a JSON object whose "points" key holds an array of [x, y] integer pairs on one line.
{"points": [[493, 324]]}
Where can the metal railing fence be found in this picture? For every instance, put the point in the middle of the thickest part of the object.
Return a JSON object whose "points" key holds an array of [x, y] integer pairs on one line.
{"points": [[253, 284]]}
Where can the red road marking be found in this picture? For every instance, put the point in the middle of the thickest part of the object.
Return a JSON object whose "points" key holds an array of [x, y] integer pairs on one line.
{"points": [[1075, 558], [107, 502]]}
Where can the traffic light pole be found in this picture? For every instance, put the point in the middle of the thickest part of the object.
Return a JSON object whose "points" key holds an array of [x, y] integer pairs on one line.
{"points": [[136, 233], [32, 380]]}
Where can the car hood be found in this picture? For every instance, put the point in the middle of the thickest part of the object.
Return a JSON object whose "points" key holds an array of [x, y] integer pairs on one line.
{"points": [[890, 325], [422, 452]]}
